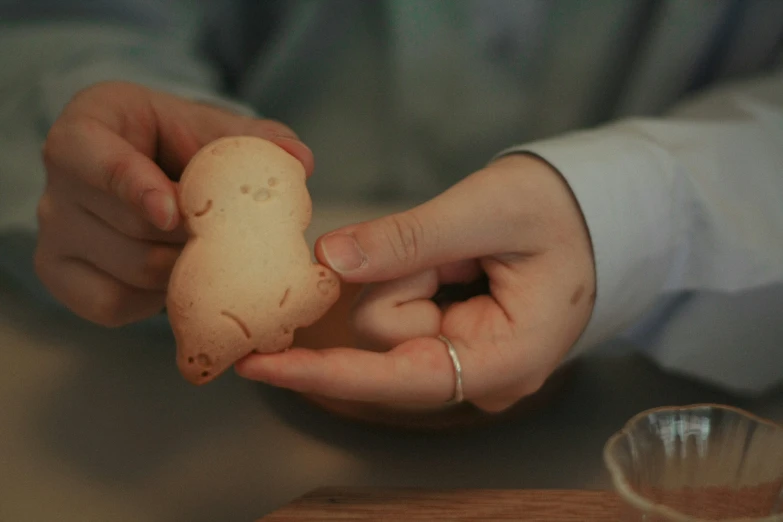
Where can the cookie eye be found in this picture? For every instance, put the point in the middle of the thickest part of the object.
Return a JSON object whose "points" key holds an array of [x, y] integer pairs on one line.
{"points": [[244, 189], [272, 182], [262, 195]]}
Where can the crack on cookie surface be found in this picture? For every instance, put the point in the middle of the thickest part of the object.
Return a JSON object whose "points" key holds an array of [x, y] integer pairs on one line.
{"points": [[285, 297], [206, 209], [239, 322]]}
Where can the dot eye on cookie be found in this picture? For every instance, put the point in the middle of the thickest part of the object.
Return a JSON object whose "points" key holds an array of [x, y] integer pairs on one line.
{"points": [[261, 194]]}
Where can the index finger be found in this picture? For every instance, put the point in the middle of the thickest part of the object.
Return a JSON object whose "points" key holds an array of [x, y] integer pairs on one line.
{"points": [[417, 371], [88, 150]]}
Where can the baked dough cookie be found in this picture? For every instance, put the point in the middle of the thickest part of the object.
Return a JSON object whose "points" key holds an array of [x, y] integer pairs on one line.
{"points": [[246, 278]]}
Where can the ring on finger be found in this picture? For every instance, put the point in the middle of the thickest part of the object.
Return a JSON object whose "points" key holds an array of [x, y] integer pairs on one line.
{"points": [[458, 396]]}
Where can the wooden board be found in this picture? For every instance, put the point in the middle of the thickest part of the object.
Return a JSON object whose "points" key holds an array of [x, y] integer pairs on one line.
{"points": [[380, 505]]}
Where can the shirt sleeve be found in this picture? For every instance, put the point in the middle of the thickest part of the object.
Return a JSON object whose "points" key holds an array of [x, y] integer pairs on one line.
{"points": [[690, 204], [56, 48]]}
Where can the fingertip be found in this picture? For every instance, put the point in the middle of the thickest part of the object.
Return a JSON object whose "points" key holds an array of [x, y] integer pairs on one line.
{"points": [[242, 368], [160, 209], [387, 326], [258, 366], [291, 369], [391, 313], [341, 252], [298, 150], [253, 368]]}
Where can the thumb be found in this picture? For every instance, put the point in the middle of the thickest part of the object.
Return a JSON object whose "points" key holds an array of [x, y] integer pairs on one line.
{"points": [[465, 222]]}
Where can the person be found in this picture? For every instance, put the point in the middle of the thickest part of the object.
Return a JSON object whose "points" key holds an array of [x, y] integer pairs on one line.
{"points": [[644, 199]]}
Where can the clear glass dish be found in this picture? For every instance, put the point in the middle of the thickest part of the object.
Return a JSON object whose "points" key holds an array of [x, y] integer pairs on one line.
{"points": [[698, 463]]}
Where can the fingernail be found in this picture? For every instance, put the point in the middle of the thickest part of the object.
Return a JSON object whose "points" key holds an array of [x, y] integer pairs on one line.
{"points": [[294, 141], [159, 208], [343, 253], [287, 137]]}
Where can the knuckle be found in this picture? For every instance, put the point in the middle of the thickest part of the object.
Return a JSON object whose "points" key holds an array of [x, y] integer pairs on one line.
{"points": [[437, 362], [433, 361], [42, 263], [44, 211], [83, 97], [370, 324], [89, 92], [362, 323], [134, 226], [363, 312], [80, 127], [108, 307], [404, 232], [55, 142], [49, 240], [107, 303], [117, 170], [118, 174], [102, 92], [49, 150], [156, 267]]}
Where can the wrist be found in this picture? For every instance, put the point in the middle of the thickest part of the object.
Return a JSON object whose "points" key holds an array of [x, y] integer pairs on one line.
{"points": [[546, 196], [628, 193]]}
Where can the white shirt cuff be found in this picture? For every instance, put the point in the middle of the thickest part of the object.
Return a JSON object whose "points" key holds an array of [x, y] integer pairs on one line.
{"points": [[627, 191]]}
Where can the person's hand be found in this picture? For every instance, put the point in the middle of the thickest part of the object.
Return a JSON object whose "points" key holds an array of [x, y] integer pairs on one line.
{"points": [[110, 230], [514, 223]]}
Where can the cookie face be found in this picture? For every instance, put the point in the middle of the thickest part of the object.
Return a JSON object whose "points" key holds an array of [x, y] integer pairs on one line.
{"points": [[272, 189], [245, 280]]}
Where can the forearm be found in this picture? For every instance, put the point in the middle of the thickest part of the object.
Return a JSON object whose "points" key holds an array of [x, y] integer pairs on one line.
{"points": [[680, 208]]}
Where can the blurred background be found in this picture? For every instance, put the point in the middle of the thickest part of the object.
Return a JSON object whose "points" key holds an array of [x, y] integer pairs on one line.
{"points": [[398, 99]]}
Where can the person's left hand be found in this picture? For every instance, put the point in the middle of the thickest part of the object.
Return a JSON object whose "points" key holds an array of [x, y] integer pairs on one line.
{"points": [[514, 222]]}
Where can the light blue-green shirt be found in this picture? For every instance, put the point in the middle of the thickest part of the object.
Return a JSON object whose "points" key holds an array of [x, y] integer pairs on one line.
{"points": [[401, 98]]}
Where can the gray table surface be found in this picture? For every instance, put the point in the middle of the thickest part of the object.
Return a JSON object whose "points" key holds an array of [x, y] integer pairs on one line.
{"points": [[97, 425]]}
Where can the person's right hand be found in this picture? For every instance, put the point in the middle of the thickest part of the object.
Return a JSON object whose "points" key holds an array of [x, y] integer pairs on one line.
{"points": [[109, 228]]}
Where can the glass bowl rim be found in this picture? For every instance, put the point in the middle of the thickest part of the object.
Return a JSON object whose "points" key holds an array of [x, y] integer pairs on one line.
{"points": [[623, 487]]}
